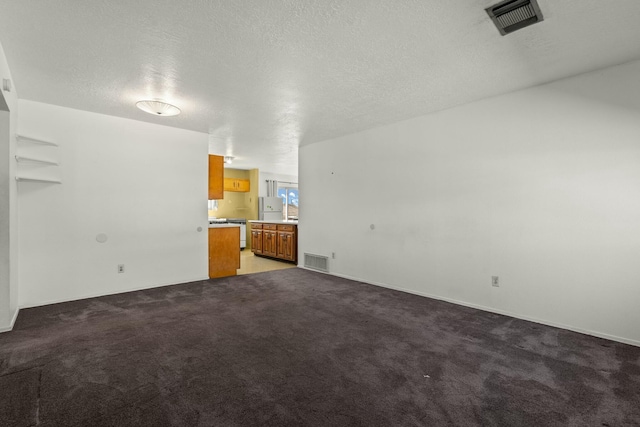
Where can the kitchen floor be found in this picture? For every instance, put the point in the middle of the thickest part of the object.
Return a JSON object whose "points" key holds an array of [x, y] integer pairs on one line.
{"points": [[249, 263]]}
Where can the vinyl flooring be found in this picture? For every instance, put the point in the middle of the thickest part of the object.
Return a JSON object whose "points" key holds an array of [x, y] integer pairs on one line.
{"points": [[249, 263]]}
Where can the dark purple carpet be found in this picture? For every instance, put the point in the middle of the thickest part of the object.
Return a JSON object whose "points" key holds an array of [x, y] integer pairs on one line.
{"points": [[294, 347]]}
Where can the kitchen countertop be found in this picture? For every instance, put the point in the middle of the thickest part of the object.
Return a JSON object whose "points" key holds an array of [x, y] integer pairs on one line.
{"points": [[223, 225], [273, 222]]}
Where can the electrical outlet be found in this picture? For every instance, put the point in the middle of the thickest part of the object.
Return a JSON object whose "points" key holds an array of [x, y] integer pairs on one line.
{"points": [[494, 281], [120, 268], [333, 255]]}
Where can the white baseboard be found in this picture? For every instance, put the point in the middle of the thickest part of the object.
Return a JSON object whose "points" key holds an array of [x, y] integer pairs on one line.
{"points": [[490, 309], [13, 322]]}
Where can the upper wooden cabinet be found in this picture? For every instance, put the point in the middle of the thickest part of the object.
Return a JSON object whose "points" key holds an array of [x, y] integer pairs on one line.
{"points": [[236, 184], [216, 177]]}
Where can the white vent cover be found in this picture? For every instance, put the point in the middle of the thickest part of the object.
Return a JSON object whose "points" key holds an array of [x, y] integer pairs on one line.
{"points": [[316, 262], [512, 15]]}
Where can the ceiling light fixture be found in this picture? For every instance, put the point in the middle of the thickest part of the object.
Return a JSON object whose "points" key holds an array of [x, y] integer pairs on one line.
{"points": [[228, 159], [158, 108]]}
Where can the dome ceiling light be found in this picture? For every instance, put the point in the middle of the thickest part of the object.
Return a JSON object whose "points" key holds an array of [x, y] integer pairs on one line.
{"points": [[158, 108]]}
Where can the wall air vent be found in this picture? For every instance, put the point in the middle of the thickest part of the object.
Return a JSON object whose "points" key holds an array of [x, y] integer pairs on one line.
{"points": [[316, 262], [512, 15]]}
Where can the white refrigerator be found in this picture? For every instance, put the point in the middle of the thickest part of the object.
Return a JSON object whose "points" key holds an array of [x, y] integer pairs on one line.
{"points": [[270, 208]]}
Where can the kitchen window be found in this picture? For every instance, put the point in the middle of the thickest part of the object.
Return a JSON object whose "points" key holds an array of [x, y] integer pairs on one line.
{"points": [[290, 195]]}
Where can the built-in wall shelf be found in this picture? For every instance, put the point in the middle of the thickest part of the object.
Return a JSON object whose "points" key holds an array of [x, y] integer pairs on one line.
{"points": [[24, 178], [34, 140], [36, 160], [23, 159]]}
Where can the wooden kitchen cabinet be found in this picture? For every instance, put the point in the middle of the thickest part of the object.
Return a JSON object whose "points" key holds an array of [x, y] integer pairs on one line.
{"points": [[286, 246], [269, 240], [256, 238], [216, 177], [237, 184], [275, 240], [224, 251]]}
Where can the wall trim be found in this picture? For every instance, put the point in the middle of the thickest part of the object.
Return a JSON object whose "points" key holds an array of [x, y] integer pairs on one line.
{"points": [[490, 309], [12, 323], [124, 291]]}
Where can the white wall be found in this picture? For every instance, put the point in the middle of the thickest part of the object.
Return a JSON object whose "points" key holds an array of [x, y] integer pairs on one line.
{"points": [[539, 187], [141, 184], [8, 205]]}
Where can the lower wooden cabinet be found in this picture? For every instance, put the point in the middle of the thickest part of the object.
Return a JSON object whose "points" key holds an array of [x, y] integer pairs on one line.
{"points": [[256, 240], [269, 241], [287, 242], [224, 251], [275, 240]]}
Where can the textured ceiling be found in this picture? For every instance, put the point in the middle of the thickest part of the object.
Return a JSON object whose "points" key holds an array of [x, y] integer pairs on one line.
{"points": [[265, 76]]}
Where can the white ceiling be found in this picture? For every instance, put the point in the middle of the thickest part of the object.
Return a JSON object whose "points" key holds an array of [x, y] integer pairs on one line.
{"points": [[265, 76]]}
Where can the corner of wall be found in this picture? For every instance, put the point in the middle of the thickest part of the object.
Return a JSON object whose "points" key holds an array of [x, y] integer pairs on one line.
{"points": [[9, 249], [7, 323]]}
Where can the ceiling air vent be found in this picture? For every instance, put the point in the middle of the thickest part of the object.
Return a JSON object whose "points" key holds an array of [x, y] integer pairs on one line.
{"points": [[512, 15]]}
